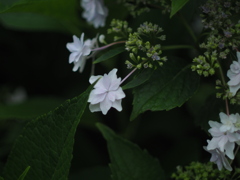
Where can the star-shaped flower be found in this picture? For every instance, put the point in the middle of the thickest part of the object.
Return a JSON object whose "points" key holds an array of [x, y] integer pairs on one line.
{"points": [[80, 50], [234, 76], [224, 141], [228, 122], [94, 12], [219, 158], [107, 93]]}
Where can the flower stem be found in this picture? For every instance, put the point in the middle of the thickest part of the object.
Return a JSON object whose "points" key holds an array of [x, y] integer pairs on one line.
{"points": [[128, 75], [227, 109], [189, 29], [177, 47], [109, 45]]}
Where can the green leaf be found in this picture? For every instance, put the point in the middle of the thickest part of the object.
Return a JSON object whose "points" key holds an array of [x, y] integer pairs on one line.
{"points": [[139, 79], [31, 108], [128, 161], [1, 178], [169, 87], [58, 15], [46, 143], [176, 6], [109, 54], [24, 173]]}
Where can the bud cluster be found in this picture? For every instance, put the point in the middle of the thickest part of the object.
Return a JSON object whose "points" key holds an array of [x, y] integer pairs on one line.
{"points": [[219, 18], [137, 7], [144, 51], [206, 65], [119, 27], [203, 171]]}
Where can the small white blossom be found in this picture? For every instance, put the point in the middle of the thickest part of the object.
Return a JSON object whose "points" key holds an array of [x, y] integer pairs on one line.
{"points": [[94, 12], [225, 141], [107, 93], [219, 158], [80, 50], [228, 122], [234, 76]]}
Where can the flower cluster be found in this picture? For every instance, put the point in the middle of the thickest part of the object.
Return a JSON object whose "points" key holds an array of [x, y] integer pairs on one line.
{"points": [[138, 7], [234, 76], [203, 171], [107, 93], [218, 17], [94, 12], [80, 51], [120, 28], [206, 65], [149, 51], [224, 137]]}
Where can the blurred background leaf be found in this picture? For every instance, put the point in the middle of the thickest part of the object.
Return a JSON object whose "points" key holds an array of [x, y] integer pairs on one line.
{"points": [[170, 86], [46, 143], [128, 161], [57, 15]]}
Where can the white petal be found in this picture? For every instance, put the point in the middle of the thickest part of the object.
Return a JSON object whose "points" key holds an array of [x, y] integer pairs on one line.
{"points": [[215, 132], [234, 89], [82, 65], [229, 150], [111, 96], [117, 105], [235, 80], [94, 78], [96, 98], [213, 144], [223, 117], [105, 105], [238, 56], [74, 57], [119, 94], [94, 107], [222, 143], [214, 124]]}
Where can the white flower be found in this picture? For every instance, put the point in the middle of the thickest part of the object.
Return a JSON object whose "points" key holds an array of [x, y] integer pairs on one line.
{"points": [[234, 75], [228, 122], [225, 141], [107, 93], [219, 158], [94, 12], [80, 50]]}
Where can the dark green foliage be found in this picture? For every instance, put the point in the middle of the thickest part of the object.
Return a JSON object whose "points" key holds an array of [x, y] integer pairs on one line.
{"points": [[128, 161], [46, 143]]}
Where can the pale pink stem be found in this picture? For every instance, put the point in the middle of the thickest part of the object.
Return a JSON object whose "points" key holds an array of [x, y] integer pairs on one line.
{"points": [[128, 75], [227, 109], [109, 45]]}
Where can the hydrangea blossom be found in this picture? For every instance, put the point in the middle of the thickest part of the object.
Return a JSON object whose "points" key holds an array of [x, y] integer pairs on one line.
{"points": [[107, 93], [224, 137], [94, 12], [228, 122], [225, 141], [218, 157], [80, 50], [234, 76]]}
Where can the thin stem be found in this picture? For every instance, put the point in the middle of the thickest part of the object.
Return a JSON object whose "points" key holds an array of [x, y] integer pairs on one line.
{"points": [[221, 74], [109, 45], [177, 47], [227, 109], [236, 151], [128, 75], [224, 83], [93, 67], [189, 29]]}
